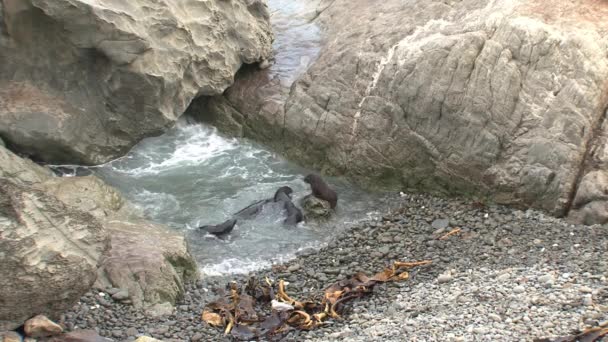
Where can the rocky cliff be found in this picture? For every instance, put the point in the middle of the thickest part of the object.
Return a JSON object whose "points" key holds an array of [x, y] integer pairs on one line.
{"points": [[82, 81], [499, 99]]}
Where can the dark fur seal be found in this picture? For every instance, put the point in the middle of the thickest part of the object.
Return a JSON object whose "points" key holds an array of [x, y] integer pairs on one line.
{"points": [[252, 210], [283, 193], [281, 196], [321, 190], [294, 214], [220, 229], [255, 208]]}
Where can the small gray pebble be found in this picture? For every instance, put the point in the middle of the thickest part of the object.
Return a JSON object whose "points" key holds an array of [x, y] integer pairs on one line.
{"points": [[519, 289], [444, 278]]}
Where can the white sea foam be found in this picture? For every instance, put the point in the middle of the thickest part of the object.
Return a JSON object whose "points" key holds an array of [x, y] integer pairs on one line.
{"points": [[234, 266], [193, 176], [154, 202], [193, 145]]}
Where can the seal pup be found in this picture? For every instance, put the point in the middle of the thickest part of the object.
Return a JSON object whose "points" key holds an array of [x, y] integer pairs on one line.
{"points": [[255, 208], [321, 190], [283, 194], [294, 214], [221, 229]]}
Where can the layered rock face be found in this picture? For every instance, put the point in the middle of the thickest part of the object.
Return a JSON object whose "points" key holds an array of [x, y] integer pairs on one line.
{"points": [[49, 254], [150, 261], [500, 99], [58, 236], [82, 81]]}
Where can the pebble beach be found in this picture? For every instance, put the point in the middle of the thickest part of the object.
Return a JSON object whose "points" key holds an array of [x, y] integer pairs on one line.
{"points": [[506, 275]]}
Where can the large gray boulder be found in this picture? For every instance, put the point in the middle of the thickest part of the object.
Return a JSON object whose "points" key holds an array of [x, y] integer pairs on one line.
{"points": [[150, 261], [499, 99], [49, 254], [58, 236], [83, 81]]}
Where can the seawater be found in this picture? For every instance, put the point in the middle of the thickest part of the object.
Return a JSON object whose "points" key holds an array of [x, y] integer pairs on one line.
{"points": [[192, 176]]}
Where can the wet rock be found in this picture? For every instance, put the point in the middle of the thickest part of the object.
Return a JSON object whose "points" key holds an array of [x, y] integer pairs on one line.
{"points": [[315, 208], [306, 251], [41, 326], [71, 171]]}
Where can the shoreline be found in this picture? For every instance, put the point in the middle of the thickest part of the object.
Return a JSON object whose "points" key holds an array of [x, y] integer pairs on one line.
{"points": [[508, 274]]}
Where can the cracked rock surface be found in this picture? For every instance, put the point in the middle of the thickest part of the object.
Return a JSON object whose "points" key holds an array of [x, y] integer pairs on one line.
{"points": [[500, 99], [50, 254]]}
